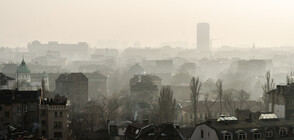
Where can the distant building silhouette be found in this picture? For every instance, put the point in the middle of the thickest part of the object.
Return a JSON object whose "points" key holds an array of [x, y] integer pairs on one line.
{"points": [[203, 33], [75, 87], [65, 50]]}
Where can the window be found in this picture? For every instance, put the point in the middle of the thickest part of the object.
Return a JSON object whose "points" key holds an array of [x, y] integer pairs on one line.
{"points": [[18, 108], [33, 108], [227, 136], [202, 133], [55, 114], [25, 108], [43, 122], [60, 114], [256, 134], [241, 135], [19, 120], [269, 133], [57, 124], [43, 133], [43, 113], [283, 132], [6, 114], [0, 108], [57, 134]]}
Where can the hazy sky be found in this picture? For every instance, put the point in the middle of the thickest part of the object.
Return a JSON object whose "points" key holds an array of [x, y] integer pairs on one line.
{"points": [[265, 22]]}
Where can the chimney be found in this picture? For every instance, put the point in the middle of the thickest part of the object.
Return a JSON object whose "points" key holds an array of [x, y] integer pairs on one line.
{"points": [[249, 118]]}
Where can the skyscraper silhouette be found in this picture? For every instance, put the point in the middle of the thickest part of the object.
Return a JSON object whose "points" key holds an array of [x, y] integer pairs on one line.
{"points": [[203, 34]]}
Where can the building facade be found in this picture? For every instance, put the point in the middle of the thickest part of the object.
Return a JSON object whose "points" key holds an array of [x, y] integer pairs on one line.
{"points": [[267, 127], [20, 110], [75, 87], [281, 101], [53, 118]]}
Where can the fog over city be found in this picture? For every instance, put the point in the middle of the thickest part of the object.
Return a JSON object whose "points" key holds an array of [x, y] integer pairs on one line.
{"points": [[237, 23], [147, 69]]}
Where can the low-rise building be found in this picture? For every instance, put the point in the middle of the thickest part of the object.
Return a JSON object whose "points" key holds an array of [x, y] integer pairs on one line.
{"points": [[53, 118], [75, 87], [19, 109], [211, 110], [140, 131], [281, 101], [267, 127]]}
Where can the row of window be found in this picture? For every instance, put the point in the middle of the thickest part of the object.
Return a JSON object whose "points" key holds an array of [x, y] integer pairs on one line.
{"points": [[56, 124], [24, 108], [24, 76], [56, 114], [205, 115], [257, 134], [56, 134]]}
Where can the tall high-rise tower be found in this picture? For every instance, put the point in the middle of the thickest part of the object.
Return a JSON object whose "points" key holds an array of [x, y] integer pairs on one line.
{"points": [[203, 39]]}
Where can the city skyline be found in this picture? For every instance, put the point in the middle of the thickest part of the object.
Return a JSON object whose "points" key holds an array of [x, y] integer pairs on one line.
{"points": [[266, 23]]}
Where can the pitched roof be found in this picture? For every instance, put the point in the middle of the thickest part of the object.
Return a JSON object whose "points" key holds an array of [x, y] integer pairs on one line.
{"points": [[9, 68], [186, 131], [136, 129], [4, 79], [168, 131], [247, 126], [71, 77], [95, 75]]}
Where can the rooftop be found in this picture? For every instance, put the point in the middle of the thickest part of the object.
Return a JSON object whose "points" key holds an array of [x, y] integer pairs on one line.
{"points": [[22, 68]]}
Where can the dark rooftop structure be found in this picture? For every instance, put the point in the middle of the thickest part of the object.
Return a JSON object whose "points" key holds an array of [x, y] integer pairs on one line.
{"points": [[10, 96], [140, 131], [268, 126]]}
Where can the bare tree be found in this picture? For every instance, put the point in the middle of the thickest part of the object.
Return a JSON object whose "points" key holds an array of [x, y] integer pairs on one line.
{"points": [[209, 98], [219, 86], [128, 107], [269, 85], [229, 102], [195, 86], [107, 109], [242, 97], [208, 106], [167, 105]]}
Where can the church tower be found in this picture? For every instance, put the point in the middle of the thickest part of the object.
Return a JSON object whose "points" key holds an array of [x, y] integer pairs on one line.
{"points": [[23, 74]]}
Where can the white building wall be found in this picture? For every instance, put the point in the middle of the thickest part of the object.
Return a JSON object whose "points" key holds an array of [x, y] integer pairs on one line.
{"points": [[208, 133]]}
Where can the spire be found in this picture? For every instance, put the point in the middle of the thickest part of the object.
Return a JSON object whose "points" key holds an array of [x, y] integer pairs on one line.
{"points": [[43, 87], [23, 62]]}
